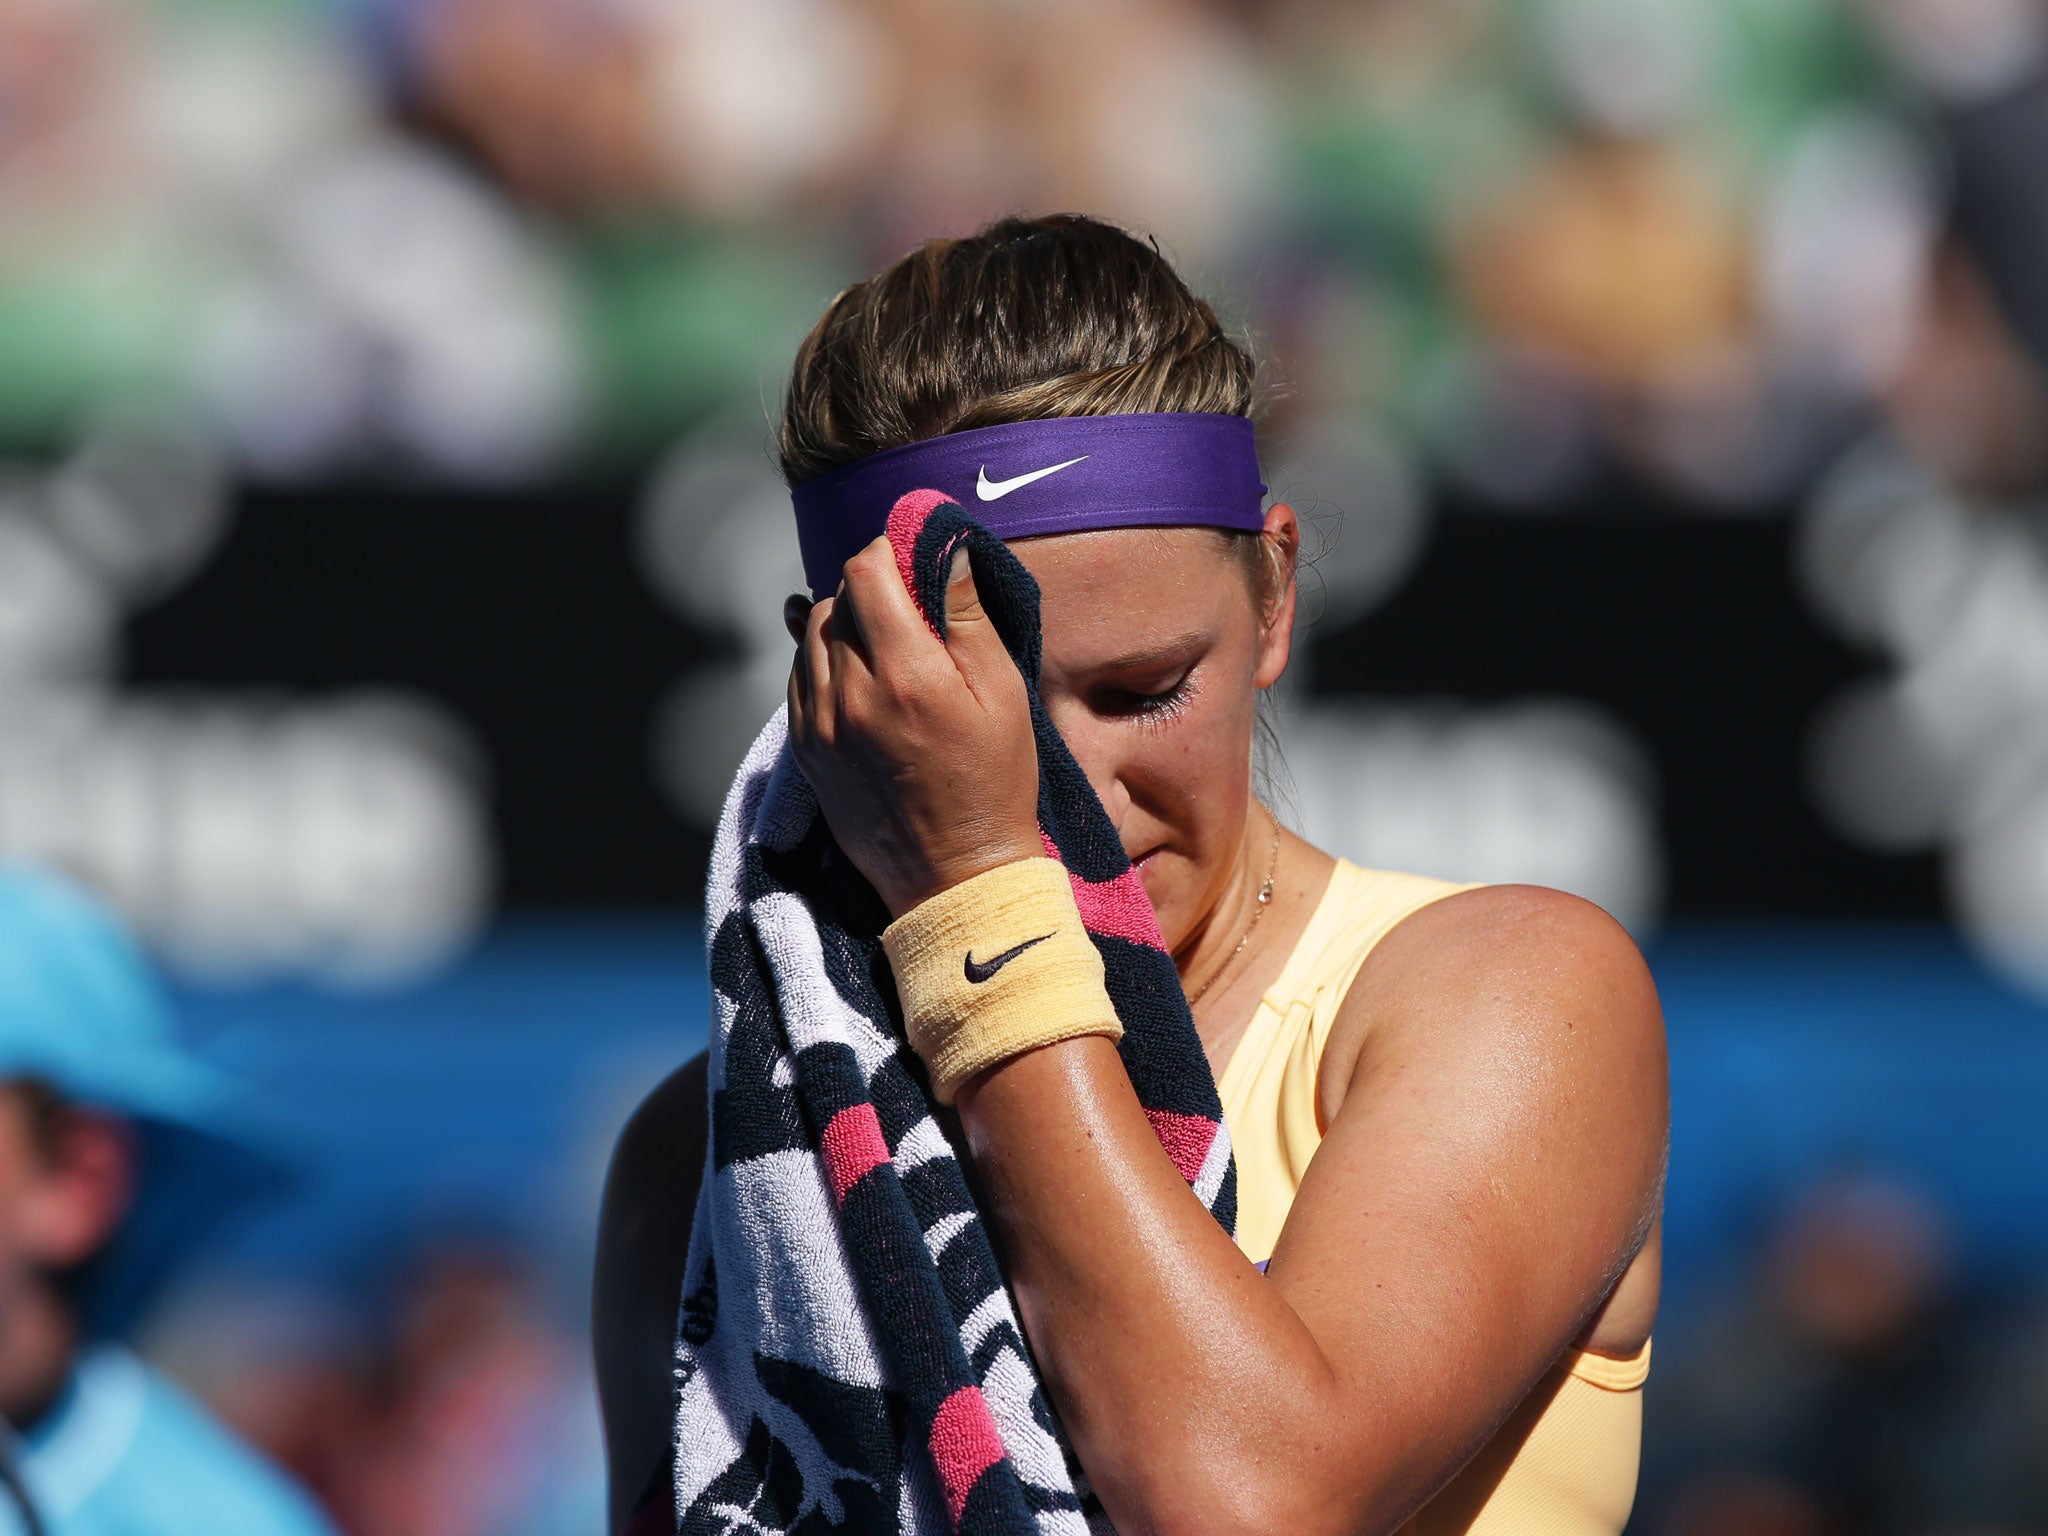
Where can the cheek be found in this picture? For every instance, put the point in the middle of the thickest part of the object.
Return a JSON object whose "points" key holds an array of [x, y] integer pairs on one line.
{"points": [[1192, 781]]}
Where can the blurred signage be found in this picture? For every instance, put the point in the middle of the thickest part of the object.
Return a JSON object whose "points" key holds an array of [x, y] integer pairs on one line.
{"points": [[1613, 702], [248, 831]]}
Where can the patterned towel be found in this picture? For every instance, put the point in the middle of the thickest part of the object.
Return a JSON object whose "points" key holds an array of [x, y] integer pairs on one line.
{"points": [[847, 1356]]}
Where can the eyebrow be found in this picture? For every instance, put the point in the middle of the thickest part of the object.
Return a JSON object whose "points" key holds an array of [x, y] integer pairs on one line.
{"points": [[1166, 650]]}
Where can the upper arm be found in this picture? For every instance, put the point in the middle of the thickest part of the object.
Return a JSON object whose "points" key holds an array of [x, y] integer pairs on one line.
{"points": [[643, 1239], [1493, 1159]]}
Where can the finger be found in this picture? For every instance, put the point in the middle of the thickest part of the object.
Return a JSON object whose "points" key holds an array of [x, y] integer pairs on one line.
{"points": [[971, 638], [793, 698], [817, 662], [799, 677], [853, 666], [843, 629], [962, 596], [888, 616], [795, 609]]}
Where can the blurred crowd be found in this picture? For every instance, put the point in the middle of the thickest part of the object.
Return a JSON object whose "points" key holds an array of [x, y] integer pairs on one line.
{"points": [[1701, 243], [1633, 258]]}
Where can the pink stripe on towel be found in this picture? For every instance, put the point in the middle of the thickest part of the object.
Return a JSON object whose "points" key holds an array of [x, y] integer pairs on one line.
{"points": [[1185, 1137], [1116, 907], [853, 1146], [906, 522], [965, 1444]]}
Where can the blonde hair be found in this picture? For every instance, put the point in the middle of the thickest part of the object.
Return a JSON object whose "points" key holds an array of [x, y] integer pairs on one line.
{"points": [[1027, 319]]}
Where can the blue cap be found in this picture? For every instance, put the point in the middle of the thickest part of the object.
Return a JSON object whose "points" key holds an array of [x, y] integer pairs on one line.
{"points": [[82, 1012]]}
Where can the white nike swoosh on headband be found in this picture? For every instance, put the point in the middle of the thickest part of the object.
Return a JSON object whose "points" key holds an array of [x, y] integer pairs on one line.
{"points": [[995, 490]]}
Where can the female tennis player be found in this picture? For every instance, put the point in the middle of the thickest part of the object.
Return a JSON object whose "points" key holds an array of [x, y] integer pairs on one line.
{"points": [[1447, 1103]]}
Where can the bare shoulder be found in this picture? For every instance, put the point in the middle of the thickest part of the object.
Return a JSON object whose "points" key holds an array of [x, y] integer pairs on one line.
{"points": [[1527, 976], [650, 1193], [1519, 1029], [1485, 1192]]}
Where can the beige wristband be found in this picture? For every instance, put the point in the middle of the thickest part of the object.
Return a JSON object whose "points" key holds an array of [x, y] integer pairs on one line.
{"points": [[997, 966]]}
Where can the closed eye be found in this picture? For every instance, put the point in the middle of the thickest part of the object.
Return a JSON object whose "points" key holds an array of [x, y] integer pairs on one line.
{"points": [[1151, 707]]}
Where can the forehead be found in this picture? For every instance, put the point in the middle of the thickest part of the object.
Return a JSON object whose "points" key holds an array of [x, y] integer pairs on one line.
{"points": [[1111, 591]]}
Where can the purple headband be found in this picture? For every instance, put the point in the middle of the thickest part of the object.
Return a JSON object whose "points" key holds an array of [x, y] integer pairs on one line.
{"points": [[1058, 475]]}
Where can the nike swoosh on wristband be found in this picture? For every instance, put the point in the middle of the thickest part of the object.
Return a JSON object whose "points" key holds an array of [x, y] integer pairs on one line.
{"points": [[979, 971], [995, 490]]}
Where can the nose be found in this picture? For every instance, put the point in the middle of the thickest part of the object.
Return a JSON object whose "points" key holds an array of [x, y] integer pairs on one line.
{"points": [[1115, 799], [1099, 748]]}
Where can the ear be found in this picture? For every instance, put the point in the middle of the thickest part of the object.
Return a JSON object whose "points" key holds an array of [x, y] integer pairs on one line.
{"points": [[1276, 635], [83, 1191]]}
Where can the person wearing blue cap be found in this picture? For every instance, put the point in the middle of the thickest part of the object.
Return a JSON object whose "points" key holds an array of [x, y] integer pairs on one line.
{"points": [[115, 1145]]}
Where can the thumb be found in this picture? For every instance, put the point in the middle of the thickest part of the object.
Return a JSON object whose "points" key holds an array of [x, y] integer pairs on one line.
{"points": [[963, 598], [970, 634]]}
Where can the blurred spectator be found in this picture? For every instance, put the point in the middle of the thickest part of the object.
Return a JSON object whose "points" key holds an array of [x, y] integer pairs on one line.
{"points": [[113, 1145], [1854, 1385], [459, 1407], [469, 1432]]}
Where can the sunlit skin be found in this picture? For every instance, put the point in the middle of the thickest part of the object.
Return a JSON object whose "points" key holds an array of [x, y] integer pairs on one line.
{"points": [[1494, 1092], [1156, 699]]}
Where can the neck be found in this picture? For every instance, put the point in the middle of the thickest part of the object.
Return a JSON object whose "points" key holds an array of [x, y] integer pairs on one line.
{"points": [[1215, 953], [38, 1338]]}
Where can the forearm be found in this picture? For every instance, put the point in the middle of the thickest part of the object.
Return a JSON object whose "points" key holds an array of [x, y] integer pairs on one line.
{"points": [[1194, 1394]]}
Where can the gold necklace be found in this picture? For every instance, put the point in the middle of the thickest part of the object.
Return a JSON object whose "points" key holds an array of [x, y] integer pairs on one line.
{"points": [[1265, 896]]}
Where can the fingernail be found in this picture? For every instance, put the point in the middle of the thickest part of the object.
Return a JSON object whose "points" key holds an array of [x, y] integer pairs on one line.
{"points": [[960, 566]]}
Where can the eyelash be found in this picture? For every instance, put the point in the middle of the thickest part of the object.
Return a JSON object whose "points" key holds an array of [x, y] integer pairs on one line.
{"points": [[1158, 708]]}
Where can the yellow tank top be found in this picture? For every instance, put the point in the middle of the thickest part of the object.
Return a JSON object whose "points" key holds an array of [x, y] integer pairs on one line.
{"points": [[1565, 1463]]}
